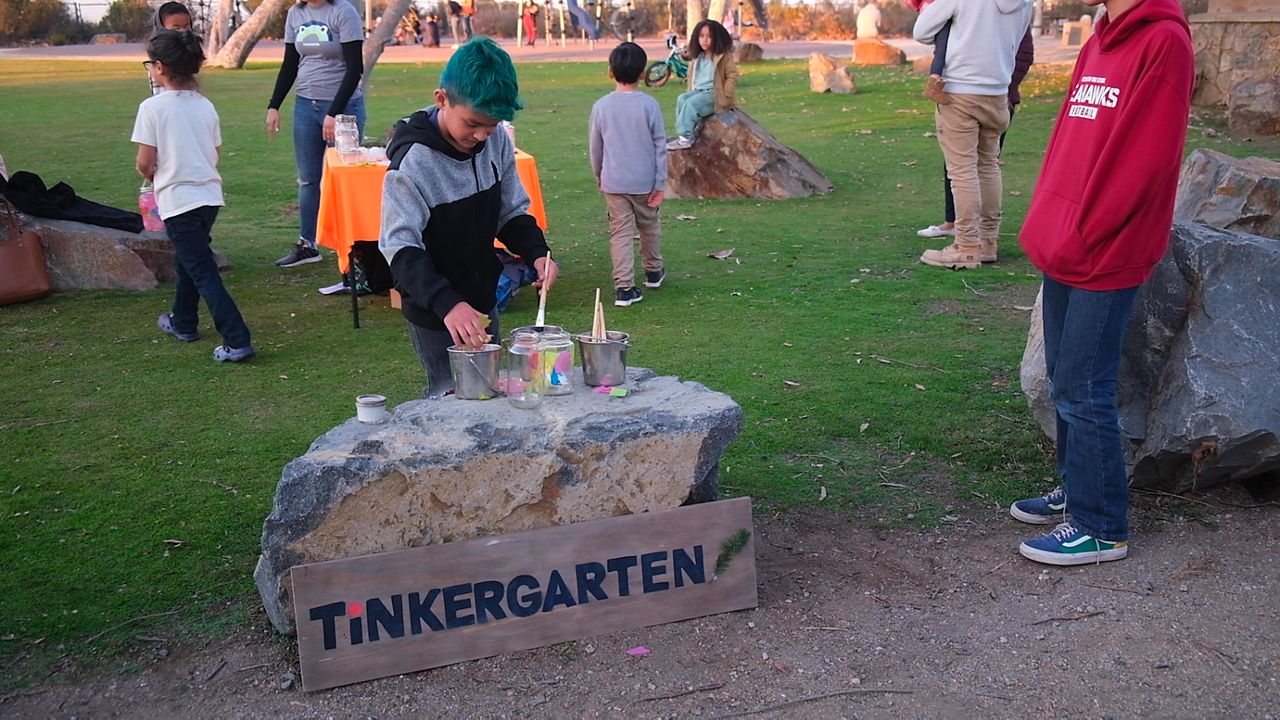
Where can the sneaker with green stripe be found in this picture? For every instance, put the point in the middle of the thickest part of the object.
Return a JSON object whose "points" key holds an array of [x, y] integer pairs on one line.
{"points": [[1069, 545]]}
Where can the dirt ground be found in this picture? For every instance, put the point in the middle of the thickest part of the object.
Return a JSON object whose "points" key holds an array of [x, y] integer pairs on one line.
{"points": [[852, 622]]}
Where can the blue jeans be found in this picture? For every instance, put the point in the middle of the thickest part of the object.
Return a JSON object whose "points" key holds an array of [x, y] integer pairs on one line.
{"points": [[198, 278], [1083, 337], [691, 107], [308, 151]]}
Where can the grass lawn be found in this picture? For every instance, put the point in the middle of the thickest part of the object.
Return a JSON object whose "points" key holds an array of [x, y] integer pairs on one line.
{"points": [[135, 473]]}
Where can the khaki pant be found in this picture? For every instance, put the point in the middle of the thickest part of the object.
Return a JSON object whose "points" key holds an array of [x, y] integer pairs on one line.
{"points": [[627, 214], [969, 129]]}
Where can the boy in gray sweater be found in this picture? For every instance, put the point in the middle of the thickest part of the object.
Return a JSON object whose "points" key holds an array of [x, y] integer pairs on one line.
{"points": [[628, 148], [451, 188]]}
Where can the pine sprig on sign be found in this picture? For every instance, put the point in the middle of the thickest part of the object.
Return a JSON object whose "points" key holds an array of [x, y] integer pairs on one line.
{"points": [[731, 547]]}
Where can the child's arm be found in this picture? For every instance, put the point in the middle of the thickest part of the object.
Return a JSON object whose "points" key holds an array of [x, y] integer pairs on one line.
{"points": [[595, 144], [658, 131], [146, 163]]}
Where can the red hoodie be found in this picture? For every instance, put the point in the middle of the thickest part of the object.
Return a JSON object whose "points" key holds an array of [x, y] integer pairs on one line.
{"points": [[1103, 206]]}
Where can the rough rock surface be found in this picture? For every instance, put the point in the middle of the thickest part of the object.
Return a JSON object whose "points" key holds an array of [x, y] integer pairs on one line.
{"points": [[733, 156], [1237, 59], [1201, 358], [448, 470], [827, 75], [874, 51], [91, 257], [749, 53], [1230, 193]]}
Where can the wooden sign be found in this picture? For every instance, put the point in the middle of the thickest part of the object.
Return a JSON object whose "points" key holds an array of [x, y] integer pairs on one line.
{"points": [[378, 615]]}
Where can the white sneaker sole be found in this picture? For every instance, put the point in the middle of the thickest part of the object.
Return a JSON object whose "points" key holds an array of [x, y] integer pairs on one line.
{"points": [[1085, 558], [1027, 517], [303, 261]]}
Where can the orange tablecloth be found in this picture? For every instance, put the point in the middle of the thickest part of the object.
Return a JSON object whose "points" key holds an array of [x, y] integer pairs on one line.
{"points": [[351, 202]]}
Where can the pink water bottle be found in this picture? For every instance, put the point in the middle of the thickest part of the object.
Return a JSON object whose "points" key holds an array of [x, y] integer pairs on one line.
{"points": [[150, 211]]}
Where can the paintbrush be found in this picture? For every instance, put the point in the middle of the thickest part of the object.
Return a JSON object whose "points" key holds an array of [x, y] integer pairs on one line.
{"points": [[541, 320]]}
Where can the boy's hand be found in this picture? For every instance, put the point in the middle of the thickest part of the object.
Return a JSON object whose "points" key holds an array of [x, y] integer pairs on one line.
{"points": [[655, 198], [548, 271], [467, 326]]}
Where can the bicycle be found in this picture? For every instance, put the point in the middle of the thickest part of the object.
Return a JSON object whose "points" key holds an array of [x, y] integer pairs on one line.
{"points": [[661, 71]]}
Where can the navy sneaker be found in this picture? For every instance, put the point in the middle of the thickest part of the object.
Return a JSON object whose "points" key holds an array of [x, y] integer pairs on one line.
{"points": [[301, 254], [1069, 545], [625, 296], [165, 323], [1049, 508], [222, 353], [653, 279]]}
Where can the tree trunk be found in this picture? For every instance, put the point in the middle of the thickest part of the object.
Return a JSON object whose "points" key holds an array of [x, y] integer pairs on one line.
{"points": [[715, 10], [240, 44], [692, 15], [218, 32], [762, 15], [377, 40]]}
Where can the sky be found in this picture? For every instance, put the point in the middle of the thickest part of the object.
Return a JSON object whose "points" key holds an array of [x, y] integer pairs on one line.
{"points": [[91, 10]]}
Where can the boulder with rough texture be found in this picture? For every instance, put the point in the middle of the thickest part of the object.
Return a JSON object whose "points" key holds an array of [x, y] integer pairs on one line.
{"points": [[1253, 106], [827, 75], [91, 257], [1202, 354], [750, 53], [874, 51], [447, 470], [734, 157], [1230, 193], [108, 39]]}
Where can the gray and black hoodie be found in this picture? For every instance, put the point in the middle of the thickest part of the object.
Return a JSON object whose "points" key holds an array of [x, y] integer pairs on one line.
{"points": [[441, 210]]}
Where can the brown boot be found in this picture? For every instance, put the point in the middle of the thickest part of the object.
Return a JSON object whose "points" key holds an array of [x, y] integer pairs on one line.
{"points": [[989, 251], [933, 91], [955, 257]]}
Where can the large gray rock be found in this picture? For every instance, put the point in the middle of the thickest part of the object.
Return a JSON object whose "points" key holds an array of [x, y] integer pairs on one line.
{"points": [[449, 470], [827, 75], [734, 157], [1197, 394], [1230, 193], [90, 257]]}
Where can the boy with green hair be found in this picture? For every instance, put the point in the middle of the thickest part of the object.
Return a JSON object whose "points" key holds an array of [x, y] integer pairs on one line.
{"points": [[451, 188]]}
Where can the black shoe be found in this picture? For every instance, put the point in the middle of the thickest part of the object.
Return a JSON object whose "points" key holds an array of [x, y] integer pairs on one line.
{"points": [[301, 254], [655, 278], [625, 296]]}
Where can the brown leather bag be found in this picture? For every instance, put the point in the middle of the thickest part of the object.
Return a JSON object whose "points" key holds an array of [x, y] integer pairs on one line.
{"points": [[23, 275]]}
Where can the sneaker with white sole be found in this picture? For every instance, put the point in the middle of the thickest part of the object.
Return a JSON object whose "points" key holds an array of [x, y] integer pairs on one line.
{"points": [[936, 231], [954, 257], [1069, 545], [222, 353], [301, 254], [165, 323], [625, 296], [1047, 509], [654, 278], [680, 143]]}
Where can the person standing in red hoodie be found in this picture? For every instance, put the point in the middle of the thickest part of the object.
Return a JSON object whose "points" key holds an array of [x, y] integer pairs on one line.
{"points": [[1099, 222]]}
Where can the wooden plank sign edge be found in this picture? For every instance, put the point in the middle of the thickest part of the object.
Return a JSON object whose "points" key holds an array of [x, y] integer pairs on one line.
{"points": [[374, 616]]}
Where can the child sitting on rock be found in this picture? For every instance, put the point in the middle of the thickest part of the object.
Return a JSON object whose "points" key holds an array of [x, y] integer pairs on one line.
{"points": [[713, 77]]}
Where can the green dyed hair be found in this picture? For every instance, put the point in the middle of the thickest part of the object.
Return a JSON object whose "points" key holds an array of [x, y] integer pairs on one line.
{"points": [[480, 75]]}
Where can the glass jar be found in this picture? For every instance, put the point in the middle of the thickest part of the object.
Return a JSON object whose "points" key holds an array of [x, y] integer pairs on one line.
{"points": [[557, 360], [522, 374], [346, 138]]}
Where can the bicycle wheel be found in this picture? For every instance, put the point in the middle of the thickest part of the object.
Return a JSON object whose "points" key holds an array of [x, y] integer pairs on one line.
{"points": [[658, 74], [623, 22]]}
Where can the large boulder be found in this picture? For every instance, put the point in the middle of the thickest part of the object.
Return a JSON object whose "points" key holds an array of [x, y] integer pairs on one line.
{"points": [[447, 470], [1201, 358], [734, 157], [1230, 193], [828, 76], [750, 53], [1253, 106], [91, 257], [874, 51]]}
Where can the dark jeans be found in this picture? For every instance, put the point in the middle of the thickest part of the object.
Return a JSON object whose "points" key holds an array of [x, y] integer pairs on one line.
{"points": [[940, 50], [198, 278], [432, 348], [1083, 337], [949, 200]]}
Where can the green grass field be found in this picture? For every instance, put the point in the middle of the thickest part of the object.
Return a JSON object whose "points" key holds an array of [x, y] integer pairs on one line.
{"points": [[135, 473]]}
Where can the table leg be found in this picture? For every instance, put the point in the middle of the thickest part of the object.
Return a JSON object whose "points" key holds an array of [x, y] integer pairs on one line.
{"points": [[350, 279]]}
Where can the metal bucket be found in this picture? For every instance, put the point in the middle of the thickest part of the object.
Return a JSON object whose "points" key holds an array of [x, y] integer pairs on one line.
{"points": [[475, 371], [604, 362]]}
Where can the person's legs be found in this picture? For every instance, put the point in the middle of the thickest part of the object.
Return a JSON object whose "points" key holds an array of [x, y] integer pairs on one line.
{"points": [[1085, 366], [690, 107], [993, 119], [649, 223], [468, 27], [432, 348], [189, 233], [622, 228], [455, 29], [948, 199], [308, 150], [958, 137], [184, 313]]}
